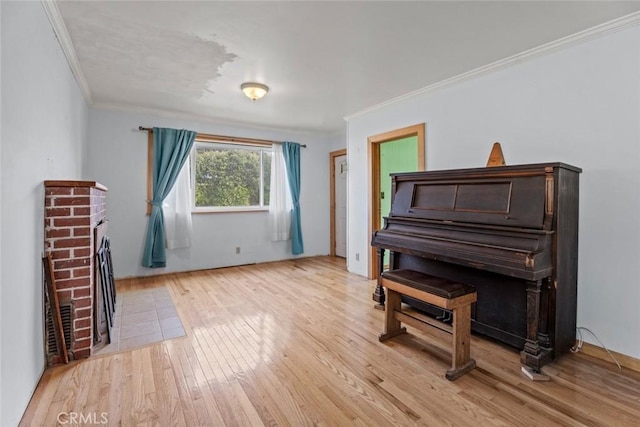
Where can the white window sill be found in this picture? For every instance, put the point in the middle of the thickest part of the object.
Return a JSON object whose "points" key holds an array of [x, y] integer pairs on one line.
{"points": [[231, 209]]}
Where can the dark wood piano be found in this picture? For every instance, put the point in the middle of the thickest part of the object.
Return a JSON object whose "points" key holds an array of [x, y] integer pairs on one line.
{"points": [[511, 231]]}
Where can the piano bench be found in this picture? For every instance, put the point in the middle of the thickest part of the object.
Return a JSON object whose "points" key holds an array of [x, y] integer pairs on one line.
{"points": [[442, 293]]}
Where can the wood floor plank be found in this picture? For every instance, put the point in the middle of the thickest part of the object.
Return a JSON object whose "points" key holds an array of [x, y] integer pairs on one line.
{"points": [[294, 343], [43, 396], [115, 394]]}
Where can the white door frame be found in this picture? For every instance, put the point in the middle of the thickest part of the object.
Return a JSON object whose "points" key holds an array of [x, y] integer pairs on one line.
{"points": [[332, 191]]}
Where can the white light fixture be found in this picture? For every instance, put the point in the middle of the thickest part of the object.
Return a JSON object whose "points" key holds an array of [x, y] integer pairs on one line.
{"points": [[254, 91]]}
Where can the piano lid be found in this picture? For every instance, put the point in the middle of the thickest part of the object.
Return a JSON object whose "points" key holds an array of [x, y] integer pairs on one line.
{"points": [[525, 254], [510, 196]]}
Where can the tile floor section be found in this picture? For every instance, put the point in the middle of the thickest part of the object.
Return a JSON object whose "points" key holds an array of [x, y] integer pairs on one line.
{"points": [[143, 316]]}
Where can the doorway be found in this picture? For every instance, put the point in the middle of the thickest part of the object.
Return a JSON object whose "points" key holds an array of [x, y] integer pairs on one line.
{"points": [[398, 155], [338, 168], [408, 144]]}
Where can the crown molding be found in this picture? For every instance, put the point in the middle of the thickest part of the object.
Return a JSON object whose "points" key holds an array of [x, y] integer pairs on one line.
{"points": [[584, 36], [60, 30]]}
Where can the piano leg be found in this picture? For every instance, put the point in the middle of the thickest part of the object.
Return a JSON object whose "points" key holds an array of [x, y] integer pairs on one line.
{"points": [[533, 355], [378, 294], [543, 325]]}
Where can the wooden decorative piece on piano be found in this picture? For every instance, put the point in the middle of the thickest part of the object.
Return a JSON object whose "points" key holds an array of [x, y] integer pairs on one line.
{"points": [[54, 306], [511, 232], [496, 158]]}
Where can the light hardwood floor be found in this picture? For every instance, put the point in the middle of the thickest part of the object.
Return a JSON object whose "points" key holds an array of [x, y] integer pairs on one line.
{"points": [[295, 343]]}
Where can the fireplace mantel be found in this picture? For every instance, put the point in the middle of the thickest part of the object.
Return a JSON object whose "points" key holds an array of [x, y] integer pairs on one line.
{"points": [[75, 184]]}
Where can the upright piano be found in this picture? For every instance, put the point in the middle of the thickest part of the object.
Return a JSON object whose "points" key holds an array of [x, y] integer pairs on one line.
{"points": [[510, 231]]}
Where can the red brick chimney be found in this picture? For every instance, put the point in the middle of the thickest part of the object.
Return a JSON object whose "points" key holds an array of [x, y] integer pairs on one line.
{"points": [[73, 209]]}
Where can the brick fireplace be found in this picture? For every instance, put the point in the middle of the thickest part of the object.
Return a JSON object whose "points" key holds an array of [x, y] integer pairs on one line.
{"points": [[74, 210]]}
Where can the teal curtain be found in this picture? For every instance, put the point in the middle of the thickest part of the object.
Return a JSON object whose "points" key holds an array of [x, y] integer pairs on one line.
{"points": [[291, 152], [171, 148]]}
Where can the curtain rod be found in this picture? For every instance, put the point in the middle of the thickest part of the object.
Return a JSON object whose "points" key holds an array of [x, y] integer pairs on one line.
{"points": [[223, 138]]}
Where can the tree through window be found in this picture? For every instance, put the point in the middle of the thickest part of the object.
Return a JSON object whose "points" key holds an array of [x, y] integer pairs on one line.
{"points": [[230, 175]]}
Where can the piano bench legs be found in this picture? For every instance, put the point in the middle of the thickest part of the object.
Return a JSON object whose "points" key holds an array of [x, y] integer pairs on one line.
{"points": [[392, 326], [461, 361]]}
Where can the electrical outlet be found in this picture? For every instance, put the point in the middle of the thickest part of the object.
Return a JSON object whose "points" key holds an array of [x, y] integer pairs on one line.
{"points": [[357, 256], [237, 250]]}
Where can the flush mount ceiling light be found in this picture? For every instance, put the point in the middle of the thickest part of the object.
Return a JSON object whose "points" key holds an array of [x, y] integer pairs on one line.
{"points": [[254, 91]]}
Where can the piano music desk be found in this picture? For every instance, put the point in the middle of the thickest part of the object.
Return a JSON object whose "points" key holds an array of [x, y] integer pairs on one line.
{"points": [[442, 293]]}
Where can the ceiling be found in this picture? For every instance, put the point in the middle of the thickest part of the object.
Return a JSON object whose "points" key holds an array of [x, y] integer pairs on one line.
{"points": [[322, 60]]}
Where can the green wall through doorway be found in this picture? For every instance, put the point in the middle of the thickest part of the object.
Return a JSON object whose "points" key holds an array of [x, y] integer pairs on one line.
{"points": [[395, 156]]}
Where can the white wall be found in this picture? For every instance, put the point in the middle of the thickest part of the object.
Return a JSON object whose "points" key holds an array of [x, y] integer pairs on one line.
{"points": [[580, 106], [337, 141], [118, 159], [44, 128], [1, 346]]}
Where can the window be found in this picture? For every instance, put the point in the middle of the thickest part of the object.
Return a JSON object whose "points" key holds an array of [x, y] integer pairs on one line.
{"points": [[230, 176], [227, 173]]}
